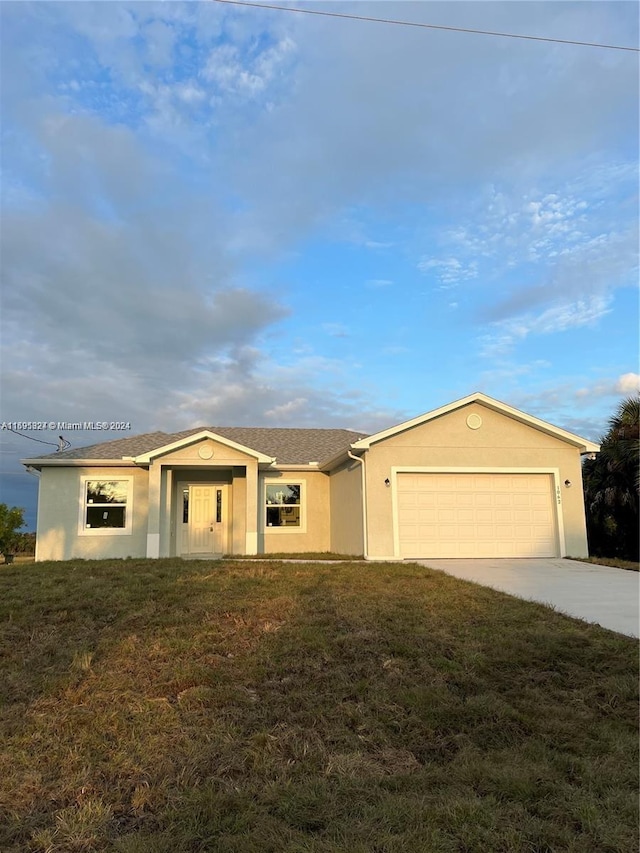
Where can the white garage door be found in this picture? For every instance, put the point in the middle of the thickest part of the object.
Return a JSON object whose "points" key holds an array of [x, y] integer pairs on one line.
{"points": [[476, 515]]}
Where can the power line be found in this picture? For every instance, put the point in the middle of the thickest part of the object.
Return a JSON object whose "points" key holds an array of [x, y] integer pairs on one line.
{"points": [[425, 26], [65, 446]]}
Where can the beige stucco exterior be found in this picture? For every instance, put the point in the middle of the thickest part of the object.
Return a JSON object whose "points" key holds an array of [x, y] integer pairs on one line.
{"points": [[448, 444], [349, 506], [204, 461], [59, 510], [347, 523], [315, 535], [156, 506]]}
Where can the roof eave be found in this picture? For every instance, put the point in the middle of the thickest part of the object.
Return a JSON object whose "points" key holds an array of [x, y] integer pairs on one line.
{"points": [[583, 444], [342, 457], [76, 463], [147, 458]]}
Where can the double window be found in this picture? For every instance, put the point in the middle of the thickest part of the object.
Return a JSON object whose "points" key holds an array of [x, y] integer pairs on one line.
{"points": [[283, 506], [106, 506]]}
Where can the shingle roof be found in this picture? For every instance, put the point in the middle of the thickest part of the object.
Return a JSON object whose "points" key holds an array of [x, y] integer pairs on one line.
{"points": [[288, 446]]}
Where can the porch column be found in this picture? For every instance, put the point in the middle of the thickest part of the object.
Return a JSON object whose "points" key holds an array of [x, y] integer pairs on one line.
{"points": [[252, 500], [153, 513], [166, 522]]}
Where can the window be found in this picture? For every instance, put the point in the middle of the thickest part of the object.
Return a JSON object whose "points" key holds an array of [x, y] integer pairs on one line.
{"points": [[283, 505], [106, 506], [218, 505]]}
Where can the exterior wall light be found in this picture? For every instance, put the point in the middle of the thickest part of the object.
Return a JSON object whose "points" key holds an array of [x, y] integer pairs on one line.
{"points": [[387, 482], [567, 483]]}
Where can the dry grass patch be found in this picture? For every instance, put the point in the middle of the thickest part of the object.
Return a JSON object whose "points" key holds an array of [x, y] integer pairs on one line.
{"points": [[613, 562], [184, 707]]}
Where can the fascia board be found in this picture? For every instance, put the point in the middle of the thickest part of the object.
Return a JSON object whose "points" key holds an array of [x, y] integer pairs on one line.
{"points": [[584, 444], [330, 464], [77, 463], [297, 466], [147, 458]]}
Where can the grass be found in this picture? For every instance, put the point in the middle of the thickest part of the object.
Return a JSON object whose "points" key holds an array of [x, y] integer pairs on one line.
{"points": [[183, 707], [614, 562], [311, 555]]}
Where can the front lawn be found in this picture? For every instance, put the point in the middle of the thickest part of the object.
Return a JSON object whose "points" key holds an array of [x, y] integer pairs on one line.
{"points": [[183, 707]]}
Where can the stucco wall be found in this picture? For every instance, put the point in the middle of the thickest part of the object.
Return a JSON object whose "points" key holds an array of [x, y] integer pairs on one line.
{"points": [[317, 536], [347, 535], [501, 442], [226, 465], [59, 504], [222, 455]]}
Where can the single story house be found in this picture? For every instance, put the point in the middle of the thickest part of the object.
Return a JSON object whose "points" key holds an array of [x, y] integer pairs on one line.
{"points": [[474, 478]]}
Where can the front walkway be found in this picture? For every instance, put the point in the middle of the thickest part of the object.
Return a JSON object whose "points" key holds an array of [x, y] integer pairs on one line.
{"points": [[598, 594]]}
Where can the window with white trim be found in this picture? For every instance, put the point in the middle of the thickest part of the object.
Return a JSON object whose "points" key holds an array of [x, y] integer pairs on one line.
{"points": [[105, 505], [283, 506]]}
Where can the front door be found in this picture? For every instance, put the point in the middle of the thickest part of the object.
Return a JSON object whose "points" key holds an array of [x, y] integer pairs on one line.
{"points": [[205, 519]]}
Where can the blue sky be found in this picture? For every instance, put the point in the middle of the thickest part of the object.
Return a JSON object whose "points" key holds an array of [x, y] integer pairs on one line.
{"points": [[229, 216]]}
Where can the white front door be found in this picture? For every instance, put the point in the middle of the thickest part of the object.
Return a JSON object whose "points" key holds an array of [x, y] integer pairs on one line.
{"points": [[205, 519]]}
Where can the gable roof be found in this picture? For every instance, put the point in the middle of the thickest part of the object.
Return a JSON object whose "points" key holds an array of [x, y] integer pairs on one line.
{"points": [[194, 438], [287, 445], [584, 444]]}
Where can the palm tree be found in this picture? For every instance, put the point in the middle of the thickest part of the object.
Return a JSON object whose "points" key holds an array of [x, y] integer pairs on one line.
{"points": [[612, 485]]}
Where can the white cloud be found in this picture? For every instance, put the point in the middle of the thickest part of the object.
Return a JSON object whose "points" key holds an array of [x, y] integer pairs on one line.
{"points": [[160, 40], [576, 406], [193, 139], [561, 317], [628, 383], [379, 282], [450, 271], [237, 73], [290, 409], [417, 144], [190, 93], [625, 385]]}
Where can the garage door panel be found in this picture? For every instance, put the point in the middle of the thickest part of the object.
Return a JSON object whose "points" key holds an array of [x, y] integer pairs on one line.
{"points": [[521, 515], [503, 499], [541, 516], [522, 500], [483, 499], [466, 514], [504, 515], [427, 500], [483, 515], [476, 515], [540, 501]]}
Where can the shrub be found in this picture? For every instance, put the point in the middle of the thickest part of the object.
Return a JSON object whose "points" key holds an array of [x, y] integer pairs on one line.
{"points": [[11, 520]]}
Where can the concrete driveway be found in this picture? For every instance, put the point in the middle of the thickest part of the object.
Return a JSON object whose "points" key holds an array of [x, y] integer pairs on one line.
{"points": [[593, 593]]}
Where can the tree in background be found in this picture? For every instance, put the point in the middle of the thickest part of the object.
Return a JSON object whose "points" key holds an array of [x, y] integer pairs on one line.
{"points": [[612, 487], [11, 520]]}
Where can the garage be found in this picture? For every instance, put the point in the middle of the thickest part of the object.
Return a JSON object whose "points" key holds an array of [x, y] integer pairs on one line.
{"points": [[488, 514]]}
